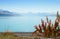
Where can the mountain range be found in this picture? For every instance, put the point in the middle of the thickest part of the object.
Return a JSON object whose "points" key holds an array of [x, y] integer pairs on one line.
{"points": [[8, 13]]}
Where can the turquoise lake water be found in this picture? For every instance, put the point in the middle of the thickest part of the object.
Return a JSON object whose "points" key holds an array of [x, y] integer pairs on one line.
{"points": [[21, 24]]}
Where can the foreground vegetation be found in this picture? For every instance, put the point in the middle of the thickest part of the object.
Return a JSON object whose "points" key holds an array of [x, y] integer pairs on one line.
{"points": [[47, 28], [8, 35], [11, 35]]}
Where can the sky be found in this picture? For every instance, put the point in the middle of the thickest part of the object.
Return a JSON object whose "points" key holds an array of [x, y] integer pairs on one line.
{"points": [[34, 6]]}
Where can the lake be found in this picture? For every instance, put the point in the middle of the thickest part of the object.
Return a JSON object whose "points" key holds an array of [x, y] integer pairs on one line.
{"points": [[21, 23]]}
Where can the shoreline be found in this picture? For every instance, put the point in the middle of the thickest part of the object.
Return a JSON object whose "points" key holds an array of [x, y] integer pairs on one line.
{"points": [[26, 35]]}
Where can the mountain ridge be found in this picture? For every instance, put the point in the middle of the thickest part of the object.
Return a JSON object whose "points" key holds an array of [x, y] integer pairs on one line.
{"points": [[8, 13]]}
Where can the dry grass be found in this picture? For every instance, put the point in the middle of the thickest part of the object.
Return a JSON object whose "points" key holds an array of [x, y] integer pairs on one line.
{"points": [[10, 35]]}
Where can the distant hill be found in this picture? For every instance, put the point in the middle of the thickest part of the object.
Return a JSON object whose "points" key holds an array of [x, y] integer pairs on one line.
{"points": [[8, 13]]}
